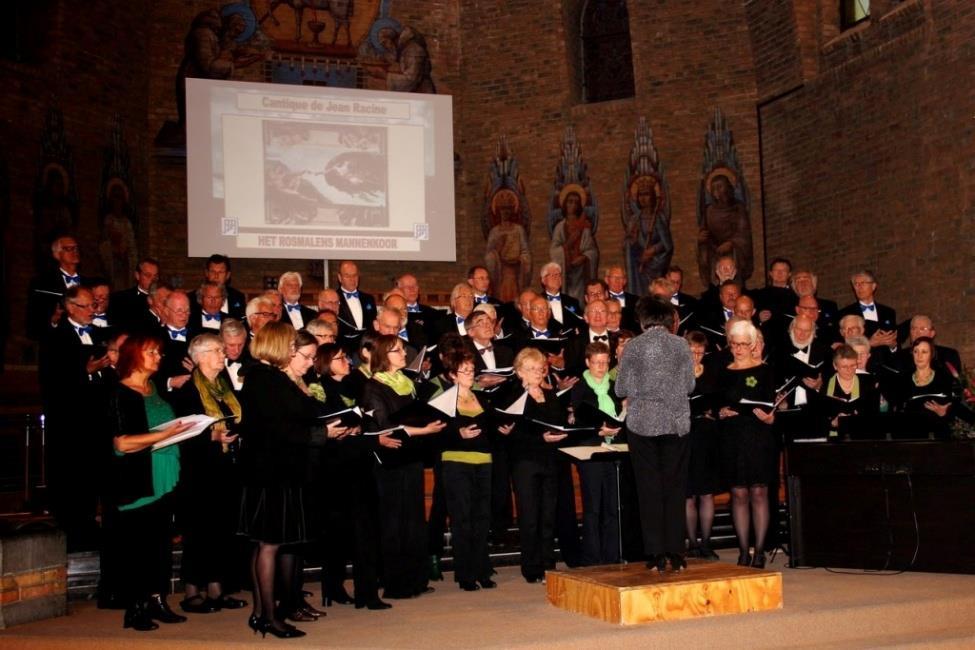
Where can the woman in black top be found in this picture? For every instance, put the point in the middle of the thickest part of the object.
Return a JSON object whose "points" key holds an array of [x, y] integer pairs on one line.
{"points": [[927, 392], [534, 462], [209, 485], [594, 398], [399, 477], [703, 468], [466, 457], [279, 425], [748, 451], [349, 488], [143, 480]]}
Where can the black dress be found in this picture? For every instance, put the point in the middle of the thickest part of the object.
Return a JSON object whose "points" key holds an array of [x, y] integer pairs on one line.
{"points": [[704, 466], [748, 449], [278, 428], [913, 397]]}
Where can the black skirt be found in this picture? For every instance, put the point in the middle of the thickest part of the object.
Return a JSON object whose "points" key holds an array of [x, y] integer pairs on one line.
{"points": [[748, 452], [277, 515]]}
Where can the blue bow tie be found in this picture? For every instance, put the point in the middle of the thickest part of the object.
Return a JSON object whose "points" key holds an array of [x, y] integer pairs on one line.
{"points": [[728, 313], [71, 279], [617, 296], [870, 307], [413, 309], [403, 335], [350, 294], [100, 317], [294, 307], [83, 329], [460, 320], [175, 334], [209, 317], [538, 333], [480, 300], [552, 298]]}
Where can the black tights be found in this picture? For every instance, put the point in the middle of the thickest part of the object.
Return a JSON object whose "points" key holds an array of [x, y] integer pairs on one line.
{"points": [[699, 509], [266, 563], [754, 498]]}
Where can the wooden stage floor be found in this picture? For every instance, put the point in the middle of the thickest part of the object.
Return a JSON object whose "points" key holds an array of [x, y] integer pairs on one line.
{"points": [[821, 609]]}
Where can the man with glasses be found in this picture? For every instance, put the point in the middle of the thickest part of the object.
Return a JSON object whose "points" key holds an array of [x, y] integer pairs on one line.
{"points": [[880, 321], [174, 371], [71, 354], [44, 300]]}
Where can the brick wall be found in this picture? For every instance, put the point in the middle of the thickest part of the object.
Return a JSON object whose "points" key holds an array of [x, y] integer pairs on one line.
{"points": [[868, 164]]}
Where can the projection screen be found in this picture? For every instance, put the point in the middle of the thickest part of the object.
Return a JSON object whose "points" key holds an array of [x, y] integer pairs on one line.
{"points": [[280, 171]]}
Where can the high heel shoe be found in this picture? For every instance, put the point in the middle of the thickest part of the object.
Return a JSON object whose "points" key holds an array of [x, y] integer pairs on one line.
{"points": [[373, 604], [758, 562], [469, 586], [340, 597], [289, 632], [253, 622], [744, 559], [677, 562]]}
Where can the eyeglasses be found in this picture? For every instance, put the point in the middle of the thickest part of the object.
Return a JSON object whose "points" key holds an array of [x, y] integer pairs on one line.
{"points": [[469, 371], [741, 344], [265, 314], [83, 305], [307, 357]]}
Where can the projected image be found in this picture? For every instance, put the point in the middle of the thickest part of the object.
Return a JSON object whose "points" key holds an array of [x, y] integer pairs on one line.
{"points": [[325, 174]]}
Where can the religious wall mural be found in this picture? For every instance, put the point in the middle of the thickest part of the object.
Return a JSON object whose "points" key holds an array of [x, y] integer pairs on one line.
{"points": [[336, 43], [573, 218], [506, 222], [724, 205], [55, 201], [645, 211], [118, 250]]}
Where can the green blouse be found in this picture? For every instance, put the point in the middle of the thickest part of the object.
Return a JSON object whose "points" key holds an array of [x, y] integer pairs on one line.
{"points": [[165, 461]]}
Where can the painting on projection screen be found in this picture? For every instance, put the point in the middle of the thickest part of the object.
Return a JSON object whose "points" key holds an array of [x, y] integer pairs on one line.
{"points": [[309, 172]]}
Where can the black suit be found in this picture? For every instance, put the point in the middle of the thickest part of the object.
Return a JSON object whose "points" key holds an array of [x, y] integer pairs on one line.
{"points": [[571, 310], [886, 317], [575, 351], [196, 322], [348, 331], [172, 362], [128, 309], [74, 438], [629, 301], [307, 315], [236, 303], [687, 309], [504, 357], [711, 321], [424, 320], [45, 292]]}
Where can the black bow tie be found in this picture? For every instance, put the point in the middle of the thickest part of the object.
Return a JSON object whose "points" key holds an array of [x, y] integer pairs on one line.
{"points": [[601, 337], [487, 349]]}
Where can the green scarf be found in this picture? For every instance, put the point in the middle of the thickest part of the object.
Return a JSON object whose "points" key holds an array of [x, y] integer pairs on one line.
{"points": [[214, 392], [606, 403], [400, 383]]}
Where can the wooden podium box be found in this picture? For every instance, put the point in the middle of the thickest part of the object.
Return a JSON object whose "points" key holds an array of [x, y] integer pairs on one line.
{"points": [[627, 594]]}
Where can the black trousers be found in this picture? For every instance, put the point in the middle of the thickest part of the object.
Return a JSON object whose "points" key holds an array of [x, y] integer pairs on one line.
{"points": [[209, 526], [501, 509], [660, 470], [467, 487], [600, 513], [566, 519], [535, 480], [437, 524], [145, 544], [402, 528]]}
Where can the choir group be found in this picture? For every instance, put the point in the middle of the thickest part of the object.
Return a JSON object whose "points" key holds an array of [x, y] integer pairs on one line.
{"points": [[320, 421]]}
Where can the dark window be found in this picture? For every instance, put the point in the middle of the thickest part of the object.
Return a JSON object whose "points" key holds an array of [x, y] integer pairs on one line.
{"points": [[607, 61], [853, 12]]}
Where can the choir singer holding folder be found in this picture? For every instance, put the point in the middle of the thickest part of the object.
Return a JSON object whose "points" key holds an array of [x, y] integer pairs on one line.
{"points": [[748, 450], [144, 480], [656, 373]]}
